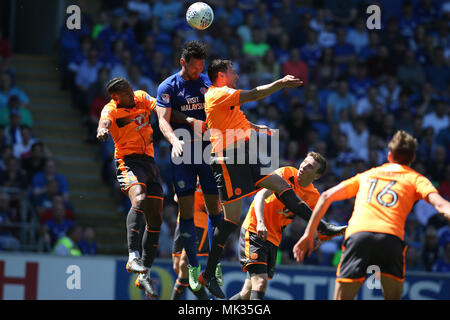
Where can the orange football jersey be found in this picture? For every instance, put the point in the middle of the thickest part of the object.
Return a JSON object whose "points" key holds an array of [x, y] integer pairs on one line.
{"points": [[130, 128], [226, 121], [276, 215], [385, 196]]}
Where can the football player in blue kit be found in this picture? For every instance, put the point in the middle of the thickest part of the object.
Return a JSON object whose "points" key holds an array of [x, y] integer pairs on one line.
{"points": [[184, 91]]}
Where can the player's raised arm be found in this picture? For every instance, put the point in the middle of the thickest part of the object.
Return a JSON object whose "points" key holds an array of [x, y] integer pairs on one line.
{"points": [[164, 115], [103, 129], [305, 245], [441, 205], [263, 91]]}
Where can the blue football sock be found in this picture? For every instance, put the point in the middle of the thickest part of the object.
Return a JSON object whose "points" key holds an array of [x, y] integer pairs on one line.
{"points": [[189, 238]]}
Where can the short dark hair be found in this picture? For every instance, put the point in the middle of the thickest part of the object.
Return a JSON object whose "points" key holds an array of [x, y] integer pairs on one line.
{"points": [[117, 84], [216, 66], [321, 160], [193, 49], [403, 147]]}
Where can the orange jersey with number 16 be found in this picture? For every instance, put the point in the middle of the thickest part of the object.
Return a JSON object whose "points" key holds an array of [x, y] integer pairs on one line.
{"points": [[385, 196], [130, 127]]}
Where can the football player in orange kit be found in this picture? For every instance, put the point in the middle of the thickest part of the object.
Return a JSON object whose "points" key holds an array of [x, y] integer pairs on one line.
{"points": [[262, 229], [230, 134], [127, 118], [385, 196]]}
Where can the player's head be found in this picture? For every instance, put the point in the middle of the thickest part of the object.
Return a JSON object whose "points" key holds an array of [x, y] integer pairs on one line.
{"points": [[402, 148], [121, 91], [312, 168], [193, 59], [221, 72]]}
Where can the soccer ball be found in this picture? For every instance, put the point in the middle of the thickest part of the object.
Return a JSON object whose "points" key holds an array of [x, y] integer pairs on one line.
{"points": [[199, 15]]}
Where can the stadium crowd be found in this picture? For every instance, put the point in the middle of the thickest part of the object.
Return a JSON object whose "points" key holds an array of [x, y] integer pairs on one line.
{"points": [[360, 87], [28, 174]]}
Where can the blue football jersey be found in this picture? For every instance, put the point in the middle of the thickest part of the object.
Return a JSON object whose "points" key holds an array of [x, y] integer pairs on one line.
{"points": [[185, 96]]}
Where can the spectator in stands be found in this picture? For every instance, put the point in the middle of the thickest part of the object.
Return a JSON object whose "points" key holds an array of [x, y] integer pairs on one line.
{"points": [[165, 14], [23, 149], [87, 244], [296, 67], [7, 217], [66, 245], [358, 36], [41, 179], [7, 89], [344, 52], [338, 100], [58, 224], [35, 162], [407, 22], [410, 73], [361, 82], [117, 30], [438, 118], [438, 72], [327, 37], [257, 47], [326, 71], [51, 201], [15, 105], [430, 252], [140, 82], [86, 75], [14, 177], [443, 264], [268, 68], [311, 51]]}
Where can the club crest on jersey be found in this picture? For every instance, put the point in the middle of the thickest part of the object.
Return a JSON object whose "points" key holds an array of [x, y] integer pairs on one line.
{"points": [[203, 90], [165, 98]]}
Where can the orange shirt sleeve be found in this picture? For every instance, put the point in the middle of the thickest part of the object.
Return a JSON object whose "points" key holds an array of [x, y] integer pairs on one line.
{"points": [[424, 187], [225, 97], [352, 185], [108, 112], [146, 99]]}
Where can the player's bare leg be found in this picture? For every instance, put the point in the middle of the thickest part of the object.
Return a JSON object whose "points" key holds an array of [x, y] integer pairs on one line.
{"points": [[231, 221], [289, 198], [259, 286], [134, 223], [346, 290], [244, 294], [392, 288]]}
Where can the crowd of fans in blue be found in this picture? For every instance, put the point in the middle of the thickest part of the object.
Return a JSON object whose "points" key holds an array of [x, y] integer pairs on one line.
{"points": [[360, 86]]}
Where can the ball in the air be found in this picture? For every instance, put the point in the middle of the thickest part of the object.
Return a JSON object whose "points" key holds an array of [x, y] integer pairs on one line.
{"points": [[199, 15]]}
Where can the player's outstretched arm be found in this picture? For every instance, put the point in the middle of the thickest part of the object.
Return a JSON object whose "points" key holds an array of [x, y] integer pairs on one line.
{"points": [[263, 91], [103, 129], [305, 245], [164, 115], [441, 205]]}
